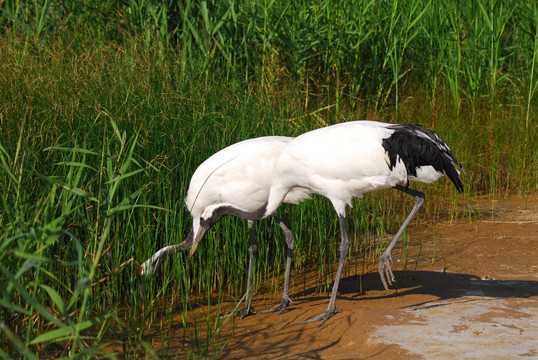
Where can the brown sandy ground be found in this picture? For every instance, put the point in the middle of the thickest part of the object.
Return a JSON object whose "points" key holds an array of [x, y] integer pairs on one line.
{"points": [[478, 299]]}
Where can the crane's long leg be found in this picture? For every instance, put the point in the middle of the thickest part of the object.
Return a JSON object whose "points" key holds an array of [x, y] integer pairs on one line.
{"points": [[385, 269], [344, 248], [252, 255], [290, 243]]}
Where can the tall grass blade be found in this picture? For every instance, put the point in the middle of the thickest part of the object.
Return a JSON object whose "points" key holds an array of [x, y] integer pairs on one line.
{"points": [[17, 343]]}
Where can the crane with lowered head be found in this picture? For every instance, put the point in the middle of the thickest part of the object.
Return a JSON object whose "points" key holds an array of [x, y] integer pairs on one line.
{"points": [[240, 175]]}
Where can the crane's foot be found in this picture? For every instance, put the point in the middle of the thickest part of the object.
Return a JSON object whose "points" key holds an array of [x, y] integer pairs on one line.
{"points": [[244, 312], [385, 270], [322, 317], [279, 307]]}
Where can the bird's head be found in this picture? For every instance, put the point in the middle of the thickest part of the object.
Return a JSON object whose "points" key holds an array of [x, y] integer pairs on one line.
{"points": [[150, 266], [213, 213], [210, 216], [146, 268]]}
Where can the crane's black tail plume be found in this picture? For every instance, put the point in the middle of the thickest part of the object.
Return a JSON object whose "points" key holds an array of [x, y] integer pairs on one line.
{"points": [[416, 147]]}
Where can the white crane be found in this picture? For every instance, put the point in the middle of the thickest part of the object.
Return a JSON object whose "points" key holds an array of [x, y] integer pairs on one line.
{"points": [[239, 174], [346, 160]]}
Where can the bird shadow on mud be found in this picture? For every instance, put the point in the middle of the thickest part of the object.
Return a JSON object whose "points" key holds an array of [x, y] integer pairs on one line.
{"points": [[442, 285]]}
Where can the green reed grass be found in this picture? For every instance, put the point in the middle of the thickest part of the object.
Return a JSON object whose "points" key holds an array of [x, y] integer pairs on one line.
{"points": [[339, 50], [108, 108]]}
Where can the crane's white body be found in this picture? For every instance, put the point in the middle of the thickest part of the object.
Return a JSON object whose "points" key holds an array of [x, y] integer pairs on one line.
{"points": [[340, 162]]}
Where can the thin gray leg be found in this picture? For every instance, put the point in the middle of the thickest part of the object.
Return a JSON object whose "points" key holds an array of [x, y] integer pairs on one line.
{"points": [[252, 255], [290, 243], [344, 248], [385, 269]]}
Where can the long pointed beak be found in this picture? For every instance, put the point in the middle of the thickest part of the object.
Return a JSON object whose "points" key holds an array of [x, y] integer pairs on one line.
{"points": [[199, 235]]}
